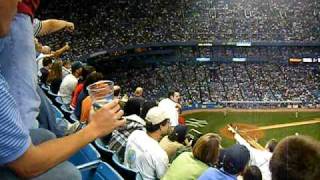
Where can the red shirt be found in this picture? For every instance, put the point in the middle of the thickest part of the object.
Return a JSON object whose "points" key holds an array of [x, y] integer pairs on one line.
{"points": [[28, 7], [75, 95]]}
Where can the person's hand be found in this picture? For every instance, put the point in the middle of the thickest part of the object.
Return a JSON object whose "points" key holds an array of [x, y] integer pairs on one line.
{"points": [[106, 119], [69, 26], [67, 46], [231, 129]]}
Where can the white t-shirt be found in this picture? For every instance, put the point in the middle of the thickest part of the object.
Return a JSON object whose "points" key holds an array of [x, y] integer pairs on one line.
{"points": [[67, 86], [145, 155], [170, 107], [258, 158]]}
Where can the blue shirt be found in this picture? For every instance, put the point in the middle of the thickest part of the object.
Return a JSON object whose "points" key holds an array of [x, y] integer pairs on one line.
{"points": [[216, 174], [14, 138]]}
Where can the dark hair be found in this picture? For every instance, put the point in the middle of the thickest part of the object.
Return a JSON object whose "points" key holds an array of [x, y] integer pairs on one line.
{"points": [[116, 92], [92, 78], [178, 134], [55, 71], [47, 61], [86, 71], [145, 108], [252, 173], [271, 144], [296, 158], [206, 148], [152, 128], [132, 107], [171, 93]]}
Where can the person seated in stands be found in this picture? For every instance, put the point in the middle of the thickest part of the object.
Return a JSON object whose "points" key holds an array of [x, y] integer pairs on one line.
{"points": [[47, 63], [86, 71], [91, 78], [252, 173], [69, 83], [134, 122], [66, 68], [35, 153], [296, 158], [190, 165], [258, 157], [172, 106], [143, 152], [55, 76], [175, 140], [232, 162]]}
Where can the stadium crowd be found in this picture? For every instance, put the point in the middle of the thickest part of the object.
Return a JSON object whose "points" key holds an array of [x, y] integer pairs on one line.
{"points": [[113, 24], [216, 82]]}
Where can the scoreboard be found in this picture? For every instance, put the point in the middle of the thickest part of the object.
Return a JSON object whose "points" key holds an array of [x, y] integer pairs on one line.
{"points": [[304, 60]]}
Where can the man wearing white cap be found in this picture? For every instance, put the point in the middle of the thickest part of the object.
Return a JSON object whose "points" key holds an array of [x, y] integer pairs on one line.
{"points": [[143, 152]]}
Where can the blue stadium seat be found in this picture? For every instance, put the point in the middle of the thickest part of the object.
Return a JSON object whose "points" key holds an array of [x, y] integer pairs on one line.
{"points": [[124, 171], [98, 170], [52, 95], [59, 101], [73, 118], [66, 112], [103, 149], [58, 113], [85, 155]]}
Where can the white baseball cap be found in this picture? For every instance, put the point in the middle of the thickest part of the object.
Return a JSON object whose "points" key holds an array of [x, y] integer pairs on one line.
{"points": [[156, 115]]}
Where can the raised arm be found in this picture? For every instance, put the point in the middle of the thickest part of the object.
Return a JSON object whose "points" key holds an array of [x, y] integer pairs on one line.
{"points": [[52, 25]]}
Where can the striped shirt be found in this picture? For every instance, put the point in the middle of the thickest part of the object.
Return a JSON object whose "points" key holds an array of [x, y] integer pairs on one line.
{"points": [[14, 138]]}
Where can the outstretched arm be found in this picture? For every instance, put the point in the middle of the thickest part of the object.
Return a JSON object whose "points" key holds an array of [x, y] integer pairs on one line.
{"points": [[52, 25]]}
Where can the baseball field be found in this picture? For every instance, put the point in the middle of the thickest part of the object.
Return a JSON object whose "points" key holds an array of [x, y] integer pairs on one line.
{"points": [[217, 121]]}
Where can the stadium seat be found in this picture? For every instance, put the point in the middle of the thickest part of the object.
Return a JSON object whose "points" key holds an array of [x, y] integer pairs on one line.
{"points": [[85, 155], [73, 118], [66, 112], [98, 170], [103, 149], [52, 95], [58, 113], [124, 171]]}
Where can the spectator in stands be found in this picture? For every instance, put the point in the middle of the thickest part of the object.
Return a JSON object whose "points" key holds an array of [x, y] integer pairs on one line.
{"points": [[232, 162], [46, 52], [91, 78], [175, 140], [23, 152], [134, 122], [138, 95], [69, 83], [172, 106], [55, 76], [66, 68], [143, 152], [47, 64], [18, 63], [296, 158], [117, 91], [252, 173], [85, 72], [190, 165], [259, 158]]}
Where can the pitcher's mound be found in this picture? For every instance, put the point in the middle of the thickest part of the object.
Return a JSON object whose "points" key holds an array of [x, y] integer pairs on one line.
{"points": [[240, 127]]}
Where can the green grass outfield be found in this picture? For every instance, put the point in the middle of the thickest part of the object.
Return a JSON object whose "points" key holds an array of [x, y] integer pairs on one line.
{"points": [[217, 120]]}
